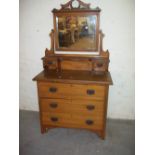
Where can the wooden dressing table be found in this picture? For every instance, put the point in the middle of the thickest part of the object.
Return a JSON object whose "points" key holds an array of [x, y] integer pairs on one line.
{"points": [[73, 88]]}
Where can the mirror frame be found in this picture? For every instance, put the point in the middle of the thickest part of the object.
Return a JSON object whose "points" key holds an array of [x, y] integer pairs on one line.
{"points": [[82, 11]]}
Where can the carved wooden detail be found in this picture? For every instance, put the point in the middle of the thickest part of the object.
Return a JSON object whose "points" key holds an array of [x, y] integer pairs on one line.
{"points": [[51, 51], [81, 6], [69, 5], [52, 40]]}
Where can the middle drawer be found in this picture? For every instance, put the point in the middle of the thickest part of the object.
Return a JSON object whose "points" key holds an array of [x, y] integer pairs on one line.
{"points": [[73, 107]]}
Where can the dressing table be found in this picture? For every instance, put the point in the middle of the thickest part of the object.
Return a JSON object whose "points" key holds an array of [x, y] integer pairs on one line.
{"points": [[74, 84]]}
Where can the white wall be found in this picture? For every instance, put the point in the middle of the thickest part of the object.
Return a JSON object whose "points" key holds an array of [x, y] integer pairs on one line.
{"points": [[117, 22]]}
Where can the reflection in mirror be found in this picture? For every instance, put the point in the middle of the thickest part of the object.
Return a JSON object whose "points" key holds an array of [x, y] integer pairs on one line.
{"points": [[76, 32]]}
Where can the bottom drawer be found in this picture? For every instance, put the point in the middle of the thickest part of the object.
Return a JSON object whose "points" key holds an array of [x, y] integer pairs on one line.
{"points": [[74, 121]]}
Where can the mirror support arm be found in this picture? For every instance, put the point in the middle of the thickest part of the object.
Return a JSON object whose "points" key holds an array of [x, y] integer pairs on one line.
{"points": [[52, 40], [101, 41], [51, 51]]}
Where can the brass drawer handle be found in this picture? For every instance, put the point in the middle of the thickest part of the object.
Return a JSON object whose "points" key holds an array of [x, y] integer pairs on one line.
{"points": [[90, 107], [54, 119], [53, 105], [52, 89], [90, 92], [89, 122]]}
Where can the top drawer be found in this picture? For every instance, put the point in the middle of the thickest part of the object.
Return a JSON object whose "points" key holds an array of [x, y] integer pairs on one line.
{"points": [[54, 90], [95, 92], [71, 91]]}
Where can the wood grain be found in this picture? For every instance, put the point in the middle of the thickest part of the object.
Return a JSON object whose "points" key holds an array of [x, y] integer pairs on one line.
{"points": [[68, 120], [62, 90], [71, 91], [74, 77], [84, 107], [80, 92], [76, 65]]}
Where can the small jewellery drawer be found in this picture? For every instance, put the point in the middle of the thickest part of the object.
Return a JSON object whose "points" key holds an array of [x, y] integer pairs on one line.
{"points": [[54, 90], [75, 121], [50, 63], [88, 91]]}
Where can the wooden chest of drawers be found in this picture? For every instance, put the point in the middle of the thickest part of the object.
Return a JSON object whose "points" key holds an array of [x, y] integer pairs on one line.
{"points": [[68, 103]]}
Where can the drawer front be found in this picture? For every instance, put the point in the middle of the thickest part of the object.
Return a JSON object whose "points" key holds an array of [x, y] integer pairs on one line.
{"points": [[55, 119], [89, 121], [50, 63], [54, 90], [88, 92], [55, 105], [75, 121], [71, 91], [87, 107], [84, 107]]}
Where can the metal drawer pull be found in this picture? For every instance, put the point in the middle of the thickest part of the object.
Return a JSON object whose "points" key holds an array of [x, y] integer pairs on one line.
{"points": [[52, 89], [99, 64], [89, 122], [54, 119], [90, 92], [53, 105], [90, 107]]}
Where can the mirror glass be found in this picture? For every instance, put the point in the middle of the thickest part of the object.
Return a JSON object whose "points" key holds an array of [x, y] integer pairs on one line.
{"points": [[76, 33]]}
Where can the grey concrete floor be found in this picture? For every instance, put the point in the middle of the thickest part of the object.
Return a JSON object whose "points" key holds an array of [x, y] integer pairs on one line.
{"points": [[120, 139]]}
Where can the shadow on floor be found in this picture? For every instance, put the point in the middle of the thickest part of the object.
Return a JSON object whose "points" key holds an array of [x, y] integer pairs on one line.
{"points": [[120, 138]]}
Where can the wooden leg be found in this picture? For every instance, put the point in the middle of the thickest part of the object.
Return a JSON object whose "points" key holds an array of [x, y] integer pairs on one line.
{"points": [[43, 129], [101, 134]]}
